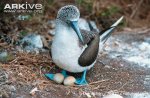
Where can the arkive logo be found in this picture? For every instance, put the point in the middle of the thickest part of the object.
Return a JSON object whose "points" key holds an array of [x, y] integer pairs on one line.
{"points": [[23, 7]]}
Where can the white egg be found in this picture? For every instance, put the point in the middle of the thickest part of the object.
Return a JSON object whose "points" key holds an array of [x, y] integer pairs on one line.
{"points": [[58, 78], [70, 80]]}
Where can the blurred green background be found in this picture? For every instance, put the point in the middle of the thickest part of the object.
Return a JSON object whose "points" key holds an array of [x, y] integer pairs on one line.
{"points": [[103, 12]]}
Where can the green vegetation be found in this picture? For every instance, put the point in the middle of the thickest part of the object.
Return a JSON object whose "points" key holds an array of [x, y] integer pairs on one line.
{"points": [[111, 11], [87, 4], [23, 33], [50, 2]]}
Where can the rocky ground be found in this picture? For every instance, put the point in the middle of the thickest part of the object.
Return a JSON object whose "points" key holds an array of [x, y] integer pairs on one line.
{"points": [[126, 56], [24, 56]]}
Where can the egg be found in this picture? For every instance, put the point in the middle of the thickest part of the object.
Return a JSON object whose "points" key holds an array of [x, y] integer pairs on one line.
{"points": [[70, 80], [58, 78]]}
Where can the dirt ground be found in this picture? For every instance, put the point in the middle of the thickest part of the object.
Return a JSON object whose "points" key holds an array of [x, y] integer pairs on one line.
{"points": [[26, 72], [126, 54]]}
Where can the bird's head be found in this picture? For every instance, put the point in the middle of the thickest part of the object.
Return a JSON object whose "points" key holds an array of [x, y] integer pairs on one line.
{"points": [[70, 14]]}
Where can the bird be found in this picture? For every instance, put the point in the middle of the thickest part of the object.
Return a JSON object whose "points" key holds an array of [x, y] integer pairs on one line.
{"points": [[73, 49]]}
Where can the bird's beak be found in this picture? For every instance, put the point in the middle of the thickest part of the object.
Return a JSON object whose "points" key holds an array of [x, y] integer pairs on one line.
{"points": [[74, 25]]}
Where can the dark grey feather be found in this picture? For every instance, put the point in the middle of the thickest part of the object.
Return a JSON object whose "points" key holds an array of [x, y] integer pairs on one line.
{"points": [[88, 36], [92, 40], [89, 55], [104, 36]]}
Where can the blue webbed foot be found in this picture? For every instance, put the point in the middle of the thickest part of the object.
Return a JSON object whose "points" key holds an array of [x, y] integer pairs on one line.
{"points": [[82, 80], [51, 76]]}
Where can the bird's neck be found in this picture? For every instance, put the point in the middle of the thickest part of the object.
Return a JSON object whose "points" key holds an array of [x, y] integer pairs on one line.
{"points": [[65, 33], [62, 28]]}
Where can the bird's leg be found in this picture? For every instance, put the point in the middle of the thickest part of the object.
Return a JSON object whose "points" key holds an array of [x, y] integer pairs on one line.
{"points": [[51, 76], [82, 80], [64, 73]]}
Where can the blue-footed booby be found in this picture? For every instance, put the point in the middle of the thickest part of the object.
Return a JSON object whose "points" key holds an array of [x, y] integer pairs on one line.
{"points": [[75, 50]]}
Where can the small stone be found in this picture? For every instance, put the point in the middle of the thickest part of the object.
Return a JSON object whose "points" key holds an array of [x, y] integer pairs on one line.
{"points": [[116, 43], [3, 56], [70, 80], [93, 94], [113, 96], [52, 23], [32, 43], [58, 78], [32, 92], [32, 40], [51, 32], [88, 95], [12, 88], [107, 66]]}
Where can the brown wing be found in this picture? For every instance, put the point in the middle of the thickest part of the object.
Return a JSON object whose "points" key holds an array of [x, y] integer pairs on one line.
{"points": [[89, 55]]}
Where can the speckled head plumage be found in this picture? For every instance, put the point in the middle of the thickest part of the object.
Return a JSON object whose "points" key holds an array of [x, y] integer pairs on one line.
{"points": [[68, 13]]}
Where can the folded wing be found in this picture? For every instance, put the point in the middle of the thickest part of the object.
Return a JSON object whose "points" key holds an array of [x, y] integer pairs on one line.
{"points": [[92, 40]]}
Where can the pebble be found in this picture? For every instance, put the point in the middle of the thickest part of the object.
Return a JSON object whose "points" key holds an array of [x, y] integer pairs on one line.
{"points": [[113, 96], [6, 56], [32, 43], [70, 80], [32, 92], [52, 23], [3, 56], [33, 40], [51, 32], [58, 78]]}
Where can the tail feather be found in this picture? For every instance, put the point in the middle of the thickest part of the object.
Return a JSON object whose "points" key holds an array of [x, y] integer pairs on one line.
{"points": [[106, 33]]}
